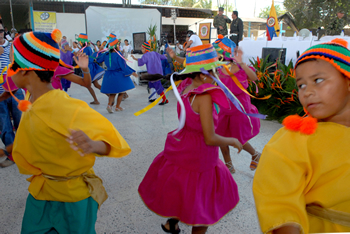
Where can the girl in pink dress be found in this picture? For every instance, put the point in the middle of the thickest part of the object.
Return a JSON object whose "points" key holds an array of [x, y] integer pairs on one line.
{"points": [[232, 122], [188, 182]]}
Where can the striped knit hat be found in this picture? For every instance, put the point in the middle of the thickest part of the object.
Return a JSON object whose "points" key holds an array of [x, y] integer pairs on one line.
{"points": [[334, 52], [83, 37], [35, 51], [225, 47], [113, 42], [147, 46], [112, 35]]}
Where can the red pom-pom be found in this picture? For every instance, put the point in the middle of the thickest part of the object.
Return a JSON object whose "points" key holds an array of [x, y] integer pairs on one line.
{"points": [[24, 105], [340, 42], [220, 36], [309, 125], [292, 122], [56, 35]]}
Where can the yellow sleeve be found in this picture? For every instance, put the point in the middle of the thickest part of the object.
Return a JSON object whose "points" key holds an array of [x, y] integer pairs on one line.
{"points": [[98, 128], [280, 182]]}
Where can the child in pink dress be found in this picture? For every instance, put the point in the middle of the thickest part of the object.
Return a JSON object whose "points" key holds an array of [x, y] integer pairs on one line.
{"points": [[232, 122], [188, 182]]}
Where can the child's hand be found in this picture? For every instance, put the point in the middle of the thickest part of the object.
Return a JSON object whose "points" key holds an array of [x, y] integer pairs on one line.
{"points": [[171, 52], [80, 142], [238, 55], [82, 60], [236, 144]]}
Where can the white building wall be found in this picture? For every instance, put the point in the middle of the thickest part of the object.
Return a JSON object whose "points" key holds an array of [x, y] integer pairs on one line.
{"points": [[70, 25]]}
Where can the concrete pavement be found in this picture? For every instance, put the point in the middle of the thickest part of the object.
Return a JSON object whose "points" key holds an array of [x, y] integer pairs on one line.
{"points": [[124, 212]]}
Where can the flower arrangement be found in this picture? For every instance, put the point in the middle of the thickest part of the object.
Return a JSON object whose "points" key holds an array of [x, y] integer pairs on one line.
{"points": [[278, 80]]}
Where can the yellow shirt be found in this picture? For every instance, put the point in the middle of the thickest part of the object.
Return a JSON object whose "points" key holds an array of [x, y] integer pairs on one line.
{"points": [[40, 145], [297, 169]]}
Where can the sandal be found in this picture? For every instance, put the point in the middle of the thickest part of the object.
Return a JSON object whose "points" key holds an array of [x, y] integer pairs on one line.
{"points": [[230, 167], [172, 225], [94, 103], [255, 161], [119, 109]]}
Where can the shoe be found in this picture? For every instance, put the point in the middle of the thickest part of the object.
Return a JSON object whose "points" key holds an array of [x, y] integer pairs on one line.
{"points": [[7, 163], [255, 161], [152, 100], [109, 109], [119, 109], [163, 103], [172, 225], [230, 167]]}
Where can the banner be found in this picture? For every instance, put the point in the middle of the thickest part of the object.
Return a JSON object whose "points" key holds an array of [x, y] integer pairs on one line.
{"points": [[44, 21], [272, 26], [204, 32]]}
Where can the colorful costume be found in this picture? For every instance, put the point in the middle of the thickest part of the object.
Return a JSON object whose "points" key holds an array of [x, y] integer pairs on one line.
{"points": [[62, 180], [188, 180], [67, 58], [117, 77], [304, 171], [96, 71], [56, 79], [296, 170], [232, 122], [154, 66]]}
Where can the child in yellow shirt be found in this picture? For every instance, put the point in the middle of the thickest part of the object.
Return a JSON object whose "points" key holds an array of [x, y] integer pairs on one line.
{"points": [[302, 182], [57, 141]]}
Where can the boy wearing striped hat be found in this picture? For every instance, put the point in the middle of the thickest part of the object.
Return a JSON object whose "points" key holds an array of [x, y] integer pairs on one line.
{"points": [[57, 141], [302, 182], [153, 63]]}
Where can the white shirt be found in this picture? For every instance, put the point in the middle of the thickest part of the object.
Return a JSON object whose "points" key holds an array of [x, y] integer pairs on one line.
{"points": [[196, 41], [127, 49], [178, 49]]}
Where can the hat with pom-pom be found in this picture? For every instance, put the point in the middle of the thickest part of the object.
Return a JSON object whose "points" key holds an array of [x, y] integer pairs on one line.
{"points": [[113, 42], [224, 46], [334, 52], [35, 51]]}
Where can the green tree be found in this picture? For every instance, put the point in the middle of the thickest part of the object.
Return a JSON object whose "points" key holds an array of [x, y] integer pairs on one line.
{"points": [[316, 13], [265, 12], [206, 4]]}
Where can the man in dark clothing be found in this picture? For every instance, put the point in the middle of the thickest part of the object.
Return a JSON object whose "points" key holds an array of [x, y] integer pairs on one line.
{"points": [[221, 21], [236, 27]]}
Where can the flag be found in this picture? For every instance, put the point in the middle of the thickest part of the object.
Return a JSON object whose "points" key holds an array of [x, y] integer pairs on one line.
{"points": [[272, 26]]}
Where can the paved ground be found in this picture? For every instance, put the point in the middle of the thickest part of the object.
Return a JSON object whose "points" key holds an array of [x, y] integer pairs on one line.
{"points": [[124, 212]]}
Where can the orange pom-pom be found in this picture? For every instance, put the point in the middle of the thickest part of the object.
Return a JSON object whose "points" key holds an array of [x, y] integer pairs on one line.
{"points": [[220, 36], [56, 35], [340, 42], [309, 125], [24, 105], [292, 122]]}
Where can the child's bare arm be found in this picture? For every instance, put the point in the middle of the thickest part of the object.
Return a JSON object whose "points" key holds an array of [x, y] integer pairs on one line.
{"points": [[80, 142], [205, 110], [4, 96]]}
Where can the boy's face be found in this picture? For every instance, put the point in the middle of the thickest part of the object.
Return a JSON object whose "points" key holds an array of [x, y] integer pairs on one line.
{"points": [[323, 91], [126, 43], [19, 79], [143, 50]]}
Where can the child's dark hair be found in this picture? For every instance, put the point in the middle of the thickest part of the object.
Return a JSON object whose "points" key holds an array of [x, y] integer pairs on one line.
{"points": [[126, 40], [45, 76], [306, 60]]}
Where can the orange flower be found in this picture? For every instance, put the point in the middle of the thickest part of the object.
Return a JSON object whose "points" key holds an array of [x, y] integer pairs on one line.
{"points": [[258, 60], [261, 85], [292, 73]]}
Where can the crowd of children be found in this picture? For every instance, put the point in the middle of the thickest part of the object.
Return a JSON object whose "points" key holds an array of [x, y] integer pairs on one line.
{"points": [[301, 177]]}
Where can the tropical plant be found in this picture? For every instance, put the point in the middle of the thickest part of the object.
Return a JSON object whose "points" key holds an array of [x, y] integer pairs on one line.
{"points": [[278, 80], [151, 31]]}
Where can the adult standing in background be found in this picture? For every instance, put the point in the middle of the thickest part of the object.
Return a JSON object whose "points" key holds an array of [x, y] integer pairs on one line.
{"points": [[221, 21], [336, 26], [236, 27]]}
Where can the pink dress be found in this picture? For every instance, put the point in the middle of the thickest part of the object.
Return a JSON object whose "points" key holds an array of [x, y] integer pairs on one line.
{"points": [[188, 180], [233, 123], [56, 79]]}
